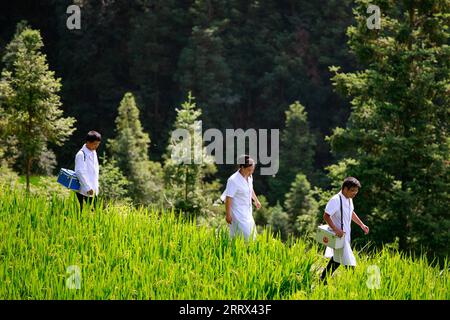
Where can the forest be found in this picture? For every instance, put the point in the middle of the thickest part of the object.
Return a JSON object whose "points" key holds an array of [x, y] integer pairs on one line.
{"points": [[348, 100]]}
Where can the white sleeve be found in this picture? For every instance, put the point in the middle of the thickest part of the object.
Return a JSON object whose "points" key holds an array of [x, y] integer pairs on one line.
{"points": [[81, 170], [332, 207], [97, 166], [230, 190]]}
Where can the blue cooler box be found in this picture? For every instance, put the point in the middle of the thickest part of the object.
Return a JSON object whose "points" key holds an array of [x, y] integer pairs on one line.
{"points": [[69, 179]]}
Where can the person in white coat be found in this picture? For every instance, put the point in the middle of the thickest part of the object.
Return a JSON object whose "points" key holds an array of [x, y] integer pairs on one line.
{"points": [[238, 196], [87, 168], [342, 228]]}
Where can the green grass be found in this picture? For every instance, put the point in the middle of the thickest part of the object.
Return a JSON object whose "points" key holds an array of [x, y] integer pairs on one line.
{"points": [[34, 180], [127, 253], [44, 185]]}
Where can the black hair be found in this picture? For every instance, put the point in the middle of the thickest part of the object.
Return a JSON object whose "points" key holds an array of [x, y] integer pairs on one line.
{"points": [[351, 182], [93, 136], [245, 161]]}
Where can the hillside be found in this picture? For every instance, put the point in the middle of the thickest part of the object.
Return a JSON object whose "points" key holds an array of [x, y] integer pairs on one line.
{"points": [[48, 249]]}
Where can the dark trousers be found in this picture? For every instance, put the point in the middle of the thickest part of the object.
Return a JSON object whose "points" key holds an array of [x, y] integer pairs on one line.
{"points": [[83, 200], [330, 269]]}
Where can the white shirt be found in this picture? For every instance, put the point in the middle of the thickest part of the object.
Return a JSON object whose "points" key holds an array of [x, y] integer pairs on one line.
{"points": [[333, 209], [241, 191], [87, 170]]}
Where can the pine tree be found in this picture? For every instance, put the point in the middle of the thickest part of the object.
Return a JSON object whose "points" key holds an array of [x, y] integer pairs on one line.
{"points": [[113, 184], [296, 152], [158, 32], [397, 134], [3, 127], [202, 66], [203, 70], [187, 167], [301, 206], [29, 92], [130, 149], [279, 221]]}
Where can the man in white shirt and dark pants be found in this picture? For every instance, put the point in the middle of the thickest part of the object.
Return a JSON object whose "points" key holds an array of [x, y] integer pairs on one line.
{"points": [[87, 168], [332, 216], [238, 196]]}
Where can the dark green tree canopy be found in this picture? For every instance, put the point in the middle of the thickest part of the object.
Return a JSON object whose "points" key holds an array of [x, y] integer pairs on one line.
{"points": [[29, 94], [398, 129]]}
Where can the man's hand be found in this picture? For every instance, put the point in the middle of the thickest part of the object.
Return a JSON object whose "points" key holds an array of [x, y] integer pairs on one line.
{"points": [[228, 202], [339, 233], [365, 228], [228, 218], [90, 192]]}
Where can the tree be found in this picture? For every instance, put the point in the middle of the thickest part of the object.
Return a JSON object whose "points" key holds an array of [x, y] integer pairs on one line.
{"points": [[262, 214], [130, 149], [113, 184], [397, 133], [7, 175], [202, 65], [204, 71], [279, 221], [158, 31], [262, 54], [3, 128], [29, 91], [296, 151], [187, 168], [301, 206]]}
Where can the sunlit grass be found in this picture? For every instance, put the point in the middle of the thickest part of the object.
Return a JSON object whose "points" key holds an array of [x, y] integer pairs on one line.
{"points": [[129, 253]]}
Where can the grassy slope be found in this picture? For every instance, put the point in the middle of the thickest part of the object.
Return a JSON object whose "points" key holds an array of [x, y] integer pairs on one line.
{"points": [[125, 253]]}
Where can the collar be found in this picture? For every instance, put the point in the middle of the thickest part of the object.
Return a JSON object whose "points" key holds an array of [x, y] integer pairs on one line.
{"points": [[242, 177], [87, 149], [341, 194]]}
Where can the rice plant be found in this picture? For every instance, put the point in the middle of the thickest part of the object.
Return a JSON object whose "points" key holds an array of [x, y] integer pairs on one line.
{"points": [[50, 250]]}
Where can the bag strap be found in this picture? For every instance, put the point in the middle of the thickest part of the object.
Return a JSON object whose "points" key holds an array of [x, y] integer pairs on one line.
{"points": [[342, 223], [70, 161]]}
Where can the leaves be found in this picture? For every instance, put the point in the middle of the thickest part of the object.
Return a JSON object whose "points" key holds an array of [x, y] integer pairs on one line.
{"points": [[188, 170], [130, 149], [29, 95], [395, 128]]}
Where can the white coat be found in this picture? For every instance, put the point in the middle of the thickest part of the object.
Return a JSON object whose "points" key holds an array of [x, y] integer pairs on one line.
{"points": [[87, 170], [344, 255], [241, 191]]}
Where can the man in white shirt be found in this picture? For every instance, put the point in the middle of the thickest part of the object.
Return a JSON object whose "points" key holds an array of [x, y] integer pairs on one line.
{"points": [[341, 225], [87, 168], [238, 197]]}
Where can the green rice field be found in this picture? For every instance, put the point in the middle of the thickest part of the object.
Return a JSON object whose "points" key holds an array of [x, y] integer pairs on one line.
{"points": [[50, 250]]}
